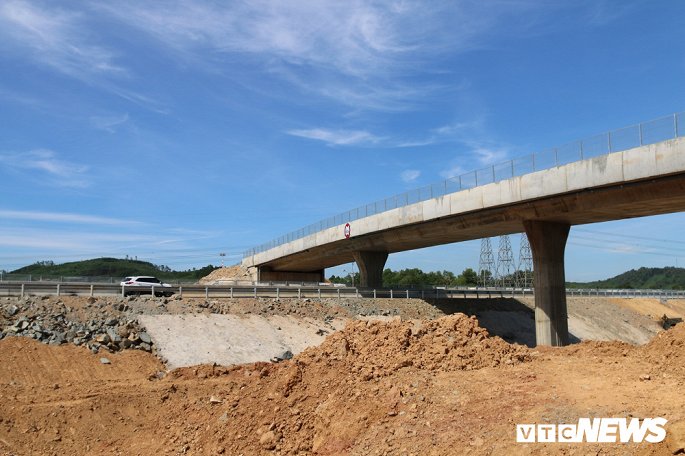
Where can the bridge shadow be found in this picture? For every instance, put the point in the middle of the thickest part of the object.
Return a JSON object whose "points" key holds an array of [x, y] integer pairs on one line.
{"points": [[507, 318]]}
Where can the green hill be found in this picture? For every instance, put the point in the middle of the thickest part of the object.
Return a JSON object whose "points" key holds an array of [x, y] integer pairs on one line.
{"points": [[111, 267], [669, 278]]}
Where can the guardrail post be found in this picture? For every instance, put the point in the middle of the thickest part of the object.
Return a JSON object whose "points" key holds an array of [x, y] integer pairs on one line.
{"points": [[58, 289], [299, 292], [255, 292], [206, 292], [91, 290], [123, 293], [338, 293], [391, 293], [407, 294], [319, 292], [423, 294], [180, 291], [278, 293], [22, 290], [374, 293]]}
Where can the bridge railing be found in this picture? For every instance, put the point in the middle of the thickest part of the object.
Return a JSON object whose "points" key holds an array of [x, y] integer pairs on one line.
{"points": [[650, 132]]}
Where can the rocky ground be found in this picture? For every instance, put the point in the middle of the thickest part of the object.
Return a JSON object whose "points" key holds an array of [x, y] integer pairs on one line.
{"points": [[429, 382]]}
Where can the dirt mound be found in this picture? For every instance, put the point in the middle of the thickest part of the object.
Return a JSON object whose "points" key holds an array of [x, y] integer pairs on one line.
{"points": [[324, 399], [667, 349], [235, 273], [430, 392], [456, 342]]}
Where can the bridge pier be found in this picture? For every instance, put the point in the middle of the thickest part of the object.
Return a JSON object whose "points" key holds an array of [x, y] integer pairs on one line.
{"points": [[370, 268], [548, 242]]}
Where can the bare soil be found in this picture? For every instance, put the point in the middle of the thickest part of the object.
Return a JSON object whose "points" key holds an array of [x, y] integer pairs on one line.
{"points": [[431, 382]]}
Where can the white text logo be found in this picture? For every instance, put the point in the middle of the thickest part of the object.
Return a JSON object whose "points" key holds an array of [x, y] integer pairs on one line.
{"points": [[596, 430]]}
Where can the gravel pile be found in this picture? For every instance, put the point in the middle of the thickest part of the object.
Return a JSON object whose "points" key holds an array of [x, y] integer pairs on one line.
{"points": [[97, 325]]}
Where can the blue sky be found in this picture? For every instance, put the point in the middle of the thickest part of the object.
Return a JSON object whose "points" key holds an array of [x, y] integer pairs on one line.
{"points": [[172, 131]]}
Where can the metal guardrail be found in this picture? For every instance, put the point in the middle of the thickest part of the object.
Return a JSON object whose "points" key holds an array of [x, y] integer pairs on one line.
{"points": [[11, 277], [650, 132], [23, 289]]}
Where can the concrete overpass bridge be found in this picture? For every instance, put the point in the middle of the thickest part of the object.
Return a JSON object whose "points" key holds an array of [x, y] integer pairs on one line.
{"points": [[632, 172]]}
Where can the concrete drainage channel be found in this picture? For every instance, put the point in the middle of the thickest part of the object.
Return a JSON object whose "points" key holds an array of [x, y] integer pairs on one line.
{"points": [[186, 340]]}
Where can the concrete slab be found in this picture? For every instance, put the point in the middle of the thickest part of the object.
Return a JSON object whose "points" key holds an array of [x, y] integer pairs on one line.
{"points": [[188, 340]]}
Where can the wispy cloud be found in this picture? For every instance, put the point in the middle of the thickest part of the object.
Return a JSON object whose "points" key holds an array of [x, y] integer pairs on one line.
{"points": [[54, 38], [350, 51], [410, 175], [66, 241], [108, 123], [64, 217], [337, 137], [477, 155], [453, 171], [46, 165]]}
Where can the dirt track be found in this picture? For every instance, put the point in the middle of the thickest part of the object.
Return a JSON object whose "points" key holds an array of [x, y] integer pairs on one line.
{"points": [[439, 387]]}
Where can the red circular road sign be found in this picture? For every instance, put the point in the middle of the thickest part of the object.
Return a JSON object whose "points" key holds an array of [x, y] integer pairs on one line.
{"points": [[347, 231]]}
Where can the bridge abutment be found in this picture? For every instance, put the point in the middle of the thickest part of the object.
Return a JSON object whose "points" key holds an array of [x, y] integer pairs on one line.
{"points": [[548, 243], [266, 274], [370, 268]]}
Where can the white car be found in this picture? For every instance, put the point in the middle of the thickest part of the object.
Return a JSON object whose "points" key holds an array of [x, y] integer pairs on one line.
{"points": [[145, 284]]}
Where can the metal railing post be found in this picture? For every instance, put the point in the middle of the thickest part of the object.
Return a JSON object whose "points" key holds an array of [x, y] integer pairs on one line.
{"points": [[675, 124], [91, 290], [22, 290]]}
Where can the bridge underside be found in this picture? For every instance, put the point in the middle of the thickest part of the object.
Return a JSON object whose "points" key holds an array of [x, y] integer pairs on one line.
{"points": [[658, 196]]}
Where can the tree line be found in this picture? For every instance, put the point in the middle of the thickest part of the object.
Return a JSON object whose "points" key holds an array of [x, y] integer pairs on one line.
{"points": [[415, 277]]}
